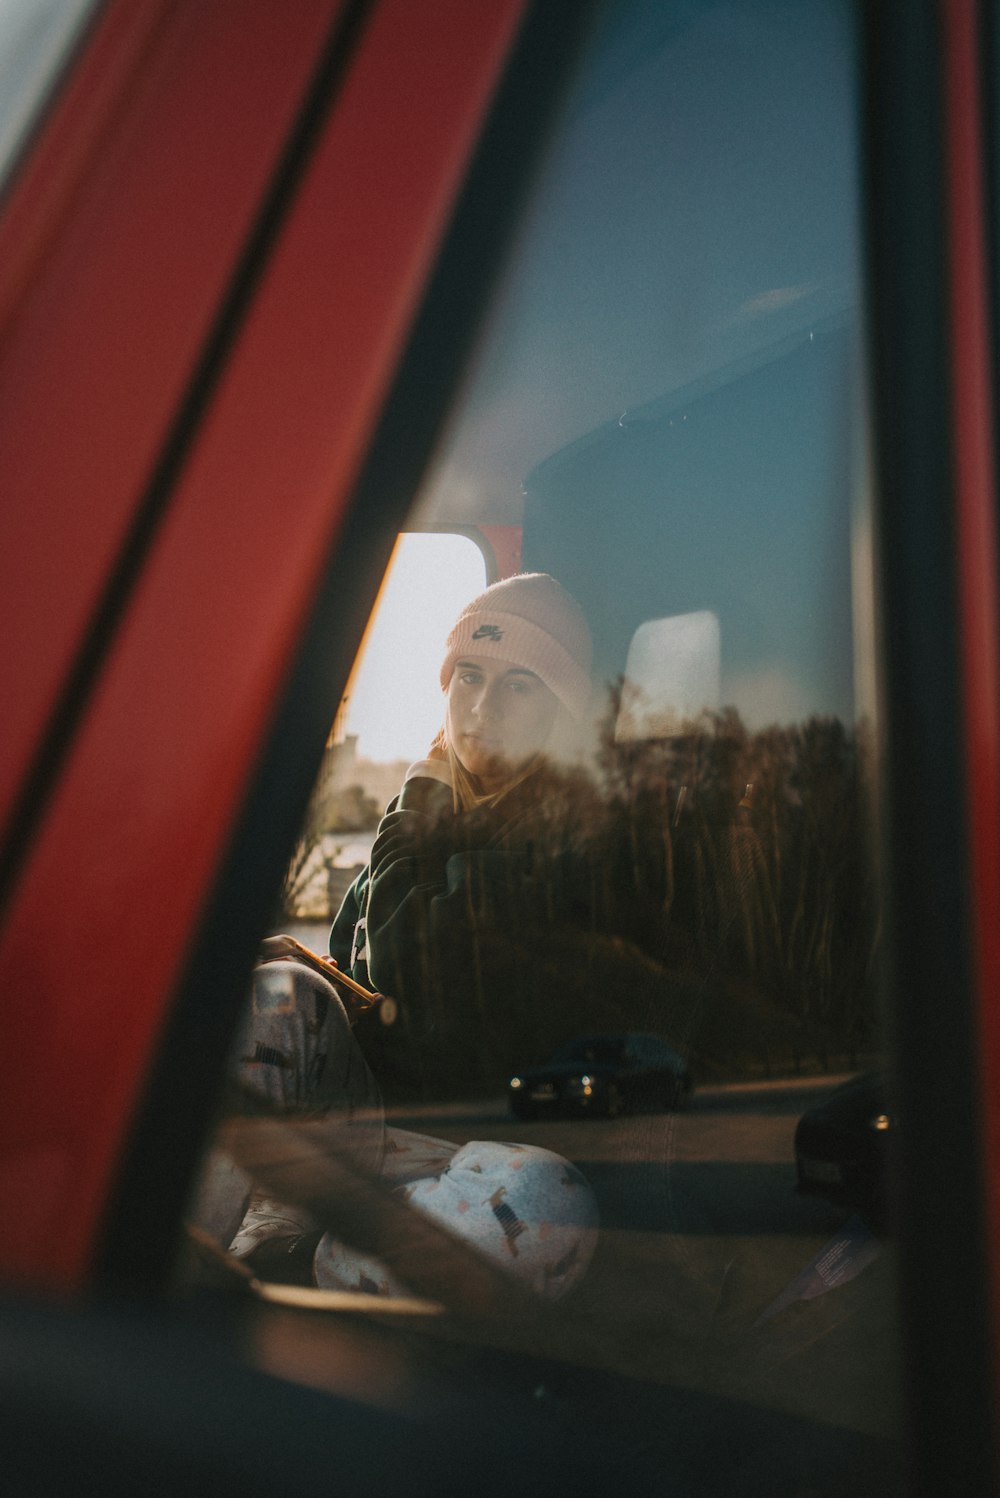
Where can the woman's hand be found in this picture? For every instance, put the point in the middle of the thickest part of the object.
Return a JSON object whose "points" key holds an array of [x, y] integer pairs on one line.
{"points": [[431, 769], [280, 949]]}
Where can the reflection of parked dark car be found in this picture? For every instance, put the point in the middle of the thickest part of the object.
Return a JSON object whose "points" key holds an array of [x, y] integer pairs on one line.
{"points": [[606, 1074], [842, 1145]]}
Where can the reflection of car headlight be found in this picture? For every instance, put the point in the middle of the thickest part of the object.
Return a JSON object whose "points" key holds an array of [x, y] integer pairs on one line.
{"points": [[516, 1082], [880, 1123]]}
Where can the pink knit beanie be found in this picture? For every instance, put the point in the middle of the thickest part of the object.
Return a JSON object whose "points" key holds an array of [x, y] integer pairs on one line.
{"points": [[531, 621]]}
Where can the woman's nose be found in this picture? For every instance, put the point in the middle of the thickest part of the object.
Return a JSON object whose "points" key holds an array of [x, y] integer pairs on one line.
{"points": [[486, 705]]}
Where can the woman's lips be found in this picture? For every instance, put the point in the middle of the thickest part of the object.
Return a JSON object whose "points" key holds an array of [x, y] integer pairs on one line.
{"points": [[483, 743]]}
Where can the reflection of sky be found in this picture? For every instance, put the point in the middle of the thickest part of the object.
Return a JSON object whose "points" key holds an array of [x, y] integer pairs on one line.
{"points": [[34, 38], [700, 209], [735, 500]]}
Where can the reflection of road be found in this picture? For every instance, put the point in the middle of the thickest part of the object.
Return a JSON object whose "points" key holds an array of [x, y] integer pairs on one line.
{"points": [[722, 1166], [702, 1229]]}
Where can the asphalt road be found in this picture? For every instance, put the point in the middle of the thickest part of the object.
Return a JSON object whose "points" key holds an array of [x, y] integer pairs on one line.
{"points": [[702, 1232]]}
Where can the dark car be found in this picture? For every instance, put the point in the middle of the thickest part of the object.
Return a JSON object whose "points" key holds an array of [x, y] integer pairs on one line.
{"points": [[605, 1074], [842, 1146]]}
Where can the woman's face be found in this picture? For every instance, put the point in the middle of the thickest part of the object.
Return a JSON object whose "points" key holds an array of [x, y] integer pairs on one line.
{"points": [[498, 716]]}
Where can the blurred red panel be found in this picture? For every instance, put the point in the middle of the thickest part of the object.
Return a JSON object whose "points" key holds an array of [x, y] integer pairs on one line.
{"points": [[139, 821], [117, 243]]}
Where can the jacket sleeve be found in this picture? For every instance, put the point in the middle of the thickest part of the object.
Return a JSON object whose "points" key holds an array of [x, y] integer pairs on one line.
{"points": [[341, 944]]}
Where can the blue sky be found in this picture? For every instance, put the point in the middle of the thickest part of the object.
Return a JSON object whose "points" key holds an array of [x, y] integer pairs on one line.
{"points": [[698, 213]]}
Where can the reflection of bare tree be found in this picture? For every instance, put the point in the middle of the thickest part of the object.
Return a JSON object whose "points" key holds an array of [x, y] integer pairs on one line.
{"points": [[716, 887], [759, 847], [333, 810]]}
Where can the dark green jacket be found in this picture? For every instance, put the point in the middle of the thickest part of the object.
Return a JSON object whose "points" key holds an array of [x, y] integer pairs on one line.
{"points": [[477, 924], [439, 883]]}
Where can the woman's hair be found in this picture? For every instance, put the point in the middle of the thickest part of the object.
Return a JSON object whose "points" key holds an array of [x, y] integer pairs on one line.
{"points": [[466, 795], [465, 791]]}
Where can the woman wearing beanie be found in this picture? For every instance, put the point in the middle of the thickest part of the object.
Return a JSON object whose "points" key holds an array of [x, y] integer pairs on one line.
{"points": [[472, 869], [468, 869], [516, 668]]}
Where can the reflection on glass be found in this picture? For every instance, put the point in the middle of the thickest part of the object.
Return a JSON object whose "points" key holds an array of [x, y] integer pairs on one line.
{"points": [[671, 676], [35, 37], [652, 956]]}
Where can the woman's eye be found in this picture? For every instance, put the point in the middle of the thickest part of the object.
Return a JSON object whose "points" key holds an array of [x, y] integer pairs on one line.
{"points": [[470, 678]]}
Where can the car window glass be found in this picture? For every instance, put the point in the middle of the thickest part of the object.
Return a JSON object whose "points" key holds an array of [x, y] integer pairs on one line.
{"points": [[391, 704], [668, 410], [387, 718], [35, 38]]}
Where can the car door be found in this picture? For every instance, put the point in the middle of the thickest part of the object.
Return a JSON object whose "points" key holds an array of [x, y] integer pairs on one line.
{"points": [[246, 252]]}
